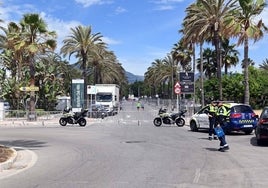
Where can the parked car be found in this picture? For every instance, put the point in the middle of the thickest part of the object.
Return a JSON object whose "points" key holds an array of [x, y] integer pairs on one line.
{"points": [[261, 130], [6, 106], [242, 118], [97, 111]]}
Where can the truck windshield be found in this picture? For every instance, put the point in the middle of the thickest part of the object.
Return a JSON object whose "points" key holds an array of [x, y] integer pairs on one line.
{"points": [[104, 97]]}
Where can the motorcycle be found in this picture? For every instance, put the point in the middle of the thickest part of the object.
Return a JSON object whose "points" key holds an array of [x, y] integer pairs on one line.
{"points": [[170, 118], [76, 118]]}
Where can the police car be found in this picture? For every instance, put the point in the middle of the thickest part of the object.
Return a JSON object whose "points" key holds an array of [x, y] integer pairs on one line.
{"points": [[242, 118]]}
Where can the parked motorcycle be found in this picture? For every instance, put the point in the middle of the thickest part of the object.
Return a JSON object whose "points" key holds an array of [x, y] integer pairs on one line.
{"points": [[170, 118], [73, 118]]}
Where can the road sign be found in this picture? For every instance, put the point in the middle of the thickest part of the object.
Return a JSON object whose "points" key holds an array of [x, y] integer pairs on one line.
{"points": [[177, 90], [177, 85], [186, 77], [31, 88]]}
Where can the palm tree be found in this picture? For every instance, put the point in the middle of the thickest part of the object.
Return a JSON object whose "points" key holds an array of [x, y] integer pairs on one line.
{"points": [[182, 55], [209, 63], [229, 55], [152, 75], [33, 39], [13, 57], [243, 25], [206, 20], [264, 65], [82, 42], [169, 72]]}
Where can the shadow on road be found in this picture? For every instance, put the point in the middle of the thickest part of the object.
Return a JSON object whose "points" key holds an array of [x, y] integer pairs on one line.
{"points": [[30, 144]]}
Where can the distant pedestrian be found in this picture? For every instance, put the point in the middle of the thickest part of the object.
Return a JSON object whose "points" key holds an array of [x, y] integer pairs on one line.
{"points": [[138, 105], [142, 106]]}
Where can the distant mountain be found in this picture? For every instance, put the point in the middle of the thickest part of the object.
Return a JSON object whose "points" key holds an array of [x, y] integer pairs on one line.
{"points": [[133, 78]]}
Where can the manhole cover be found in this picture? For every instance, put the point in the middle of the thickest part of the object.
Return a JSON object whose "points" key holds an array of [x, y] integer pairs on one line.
{"points": [[135, 141]]}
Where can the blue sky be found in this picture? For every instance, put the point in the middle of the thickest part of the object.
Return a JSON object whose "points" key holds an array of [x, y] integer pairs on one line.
{"points": [[137, 31]]}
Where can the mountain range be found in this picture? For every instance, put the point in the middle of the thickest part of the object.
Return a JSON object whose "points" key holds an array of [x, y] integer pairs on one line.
{"points": [[133, 78]]}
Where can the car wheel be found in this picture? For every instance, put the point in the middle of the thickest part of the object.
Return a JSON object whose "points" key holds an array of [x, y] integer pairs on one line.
{"points": [[193, 126]]}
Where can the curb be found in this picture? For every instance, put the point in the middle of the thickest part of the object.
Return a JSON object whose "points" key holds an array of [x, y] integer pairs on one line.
{"points": [[7, 164]]}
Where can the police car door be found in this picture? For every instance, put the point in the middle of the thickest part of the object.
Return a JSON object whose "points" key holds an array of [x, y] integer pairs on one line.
{"points": [[203, 118]]}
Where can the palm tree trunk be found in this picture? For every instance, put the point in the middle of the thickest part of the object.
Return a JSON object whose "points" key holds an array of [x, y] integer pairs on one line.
{"points": [[84, 67], [31, 115], [202, 75], [218, 59], [246, 78]]}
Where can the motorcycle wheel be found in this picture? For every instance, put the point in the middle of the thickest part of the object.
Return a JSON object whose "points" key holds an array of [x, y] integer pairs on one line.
{"points": [[157, 122], [82, 122], [63, 122], [180, 122]]}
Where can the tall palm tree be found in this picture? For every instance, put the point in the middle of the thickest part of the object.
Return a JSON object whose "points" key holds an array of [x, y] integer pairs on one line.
{"points": [[206, 19], [182, 55], [152, 75], [35, 39], [169, 72], [81, 43], [244, 25]]}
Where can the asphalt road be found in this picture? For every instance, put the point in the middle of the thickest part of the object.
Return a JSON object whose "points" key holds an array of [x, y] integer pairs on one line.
{"points": [[128, 151]]}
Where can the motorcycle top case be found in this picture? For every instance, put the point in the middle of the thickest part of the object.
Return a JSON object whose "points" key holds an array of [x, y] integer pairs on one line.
{"points": [[219, 131]]}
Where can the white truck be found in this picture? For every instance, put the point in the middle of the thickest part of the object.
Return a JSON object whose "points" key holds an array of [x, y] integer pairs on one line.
{"points": [[108, 96]]}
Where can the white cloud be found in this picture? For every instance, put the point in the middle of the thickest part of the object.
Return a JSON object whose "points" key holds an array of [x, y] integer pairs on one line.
{"points": [[165, 7], [110, 41], [88, 3], [120, 10], [167, 1]]}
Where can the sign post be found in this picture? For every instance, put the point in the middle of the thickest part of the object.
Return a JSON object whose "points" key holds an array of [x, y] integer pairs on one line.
{"points": [[177, 90]]}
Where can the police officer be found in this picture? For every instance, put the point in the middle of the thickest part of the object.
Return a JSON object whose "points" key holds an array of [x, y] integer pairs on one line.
{"points": [[212, 115], [223, 113]]}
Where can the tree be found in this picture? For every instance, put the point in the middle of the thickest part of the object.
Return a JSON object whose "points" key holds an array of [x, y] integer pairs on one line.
{"points": [[82, 42], [209, 63], [264, 65], [33, 39], [182, 55], [205, 20], [229, 55], [243, 25]]}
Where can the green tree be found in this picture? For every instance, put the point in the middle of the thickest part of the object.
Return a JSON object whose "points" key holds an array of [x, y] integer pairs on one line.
{"points": [[243, 24], [81, 42], [229, 55], [205, 20], [209, 63], [28, 39], [264, 65]]}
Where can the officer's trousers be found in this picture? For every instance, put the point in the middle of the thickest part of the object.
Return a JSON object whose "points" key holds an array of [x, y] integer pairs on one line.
{"points": [[212, 122]]}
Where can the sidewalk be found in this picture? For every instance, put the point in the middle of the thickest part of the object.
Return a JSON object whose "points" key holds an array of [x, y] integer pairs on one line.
{"points": [[52, 122], [21, 123]]}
